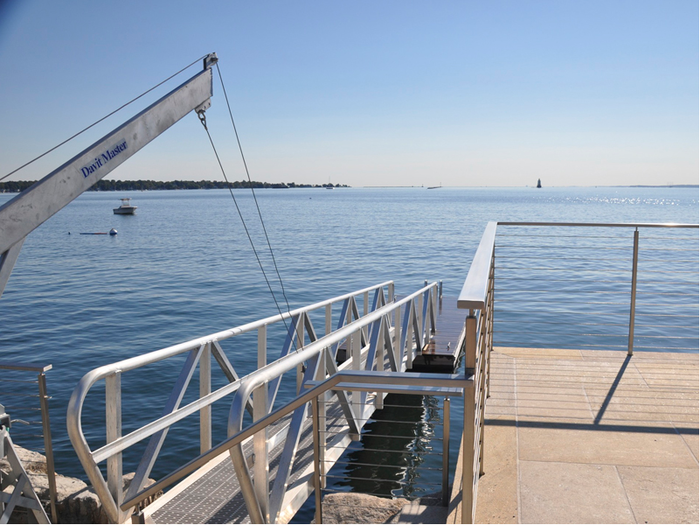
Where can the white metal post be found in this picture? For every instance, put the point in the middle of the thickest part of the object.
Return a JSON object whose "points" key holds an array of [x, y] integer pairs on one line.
{"points": [[318, 518], [205, 389], [300, 345], [322, 406], [379, 398], [356, 365], [397, 339], [113, 421], [261, 467], [421, 324], [329, 318]]}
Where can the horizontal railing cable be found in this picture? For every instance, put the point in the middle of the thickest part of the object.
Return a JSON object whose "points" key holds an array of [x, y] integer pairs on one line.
{"points": [[553, 247], [383, 480], [383, 465], [539, 258], [527, 236], [370, 449], [561, 323], [539, 268], [584, 334], [664, 315], [520, 344]]}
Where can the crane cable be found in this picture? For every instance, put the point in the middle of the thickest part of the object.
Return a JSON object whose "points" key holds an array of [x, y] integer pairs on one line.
{"points": [[100, 120], [203, 120], [250, 182]]}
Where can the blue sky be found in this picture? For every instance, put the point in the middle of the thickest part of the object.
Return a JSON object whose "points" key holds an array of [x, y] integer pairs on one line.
{"points": [[368, 93]]}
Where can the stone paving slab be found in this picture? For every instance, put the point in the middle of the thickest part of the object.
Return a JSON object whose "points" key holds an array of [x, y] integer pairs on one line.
{"points": [[583, 436], [661, 495], [553, 492]]}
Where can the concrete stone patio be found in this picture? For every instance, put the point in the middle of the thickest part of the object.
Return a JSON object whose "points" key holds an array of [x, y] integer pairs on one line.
{"points": [[575, 436]]}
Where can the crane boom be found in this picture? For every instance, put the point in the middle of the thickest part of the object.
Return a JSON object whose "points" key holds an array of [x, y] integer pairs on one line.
{"points": [[28, 210]]}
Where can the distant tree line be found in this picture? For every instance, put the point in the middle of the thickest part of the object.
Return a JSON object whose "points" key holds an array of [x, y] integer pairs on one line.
{"points": [[136, 185]]}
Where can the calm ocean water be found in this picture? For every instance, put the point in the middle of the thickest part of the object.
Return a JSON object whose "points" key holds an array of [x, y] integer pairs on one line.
{"points": [[182, 267]]}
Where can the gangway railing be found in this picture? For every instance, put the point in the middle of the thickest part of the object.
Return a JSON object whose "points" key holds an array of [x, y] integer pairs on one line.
{"points": [[264, 506], [388, 334], [341, 382], [344, 380]]}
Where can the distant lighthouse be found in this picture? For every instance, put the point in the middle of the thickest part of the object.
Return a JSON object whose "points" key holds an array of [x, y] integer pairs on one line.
{"points": [[539, 183]]}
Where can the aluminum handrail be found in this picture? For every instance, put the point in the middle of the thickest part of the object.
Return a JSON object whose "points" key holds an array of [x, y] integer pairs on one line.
{"points": [[158, 355], [88, 380], [89, 458], [603, 225], [475, 289], [355, 376]]}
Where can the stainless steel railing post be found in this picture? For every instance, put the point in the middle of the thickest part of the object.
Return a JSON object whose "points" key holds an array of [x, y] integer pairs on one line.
{"points": [[204, 390], [261, 467], [48, 446], [397, 339], [317, 462], [113, 422], [469, 431], [633, 299], [468, 435], [446, 452]]}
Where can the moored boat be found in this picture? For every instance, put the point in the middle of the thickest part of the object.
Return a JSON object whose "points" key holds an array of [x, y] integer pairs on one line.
{"points": [[126, 208]]}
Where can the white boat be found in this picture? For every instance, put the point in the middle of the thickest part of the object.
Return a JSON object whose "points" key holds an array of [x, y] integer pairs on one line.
{"points": [[126, 208]]}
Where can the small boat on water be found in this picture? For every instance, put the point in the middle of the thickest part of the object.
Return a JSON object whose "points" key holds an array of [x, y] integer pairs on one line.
{"points": [[539, 183], [126, 208]]}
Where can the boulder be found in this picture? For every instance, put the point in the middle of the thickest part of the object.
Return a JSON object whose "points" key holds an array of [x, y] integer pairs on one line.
{"points": [[360, 508]]}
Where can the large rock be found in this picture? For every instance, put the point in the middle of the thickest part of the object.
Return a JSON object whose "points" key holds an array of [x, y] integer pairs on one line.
{"points": [[360, 508], [76, 502]]}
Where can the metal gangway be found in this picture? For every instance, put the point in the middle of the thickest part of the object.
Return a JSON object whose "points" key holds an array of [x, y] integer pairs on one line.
{"points": [[281, 455]]}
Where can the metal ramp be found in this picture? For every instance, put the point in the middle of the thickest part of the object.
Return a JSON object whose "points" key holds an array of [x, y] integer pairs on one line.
{"points": [[213, 495], [263, 471], [441, 353]]}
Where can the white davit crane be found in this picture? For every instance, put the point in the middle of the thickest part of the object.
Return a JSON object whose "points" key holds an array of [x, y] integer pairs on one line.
{"points": [[28, 210]]}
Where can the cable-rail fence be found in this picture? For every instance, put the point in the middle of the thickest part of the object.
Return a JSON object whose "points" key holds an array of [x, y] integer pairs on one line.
{"points": [[596, 286]]}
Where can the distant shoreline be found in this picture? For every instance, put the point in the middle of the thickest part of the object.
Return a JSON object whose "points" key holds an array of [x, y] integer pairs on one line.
{"points": [[146, 185]]}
